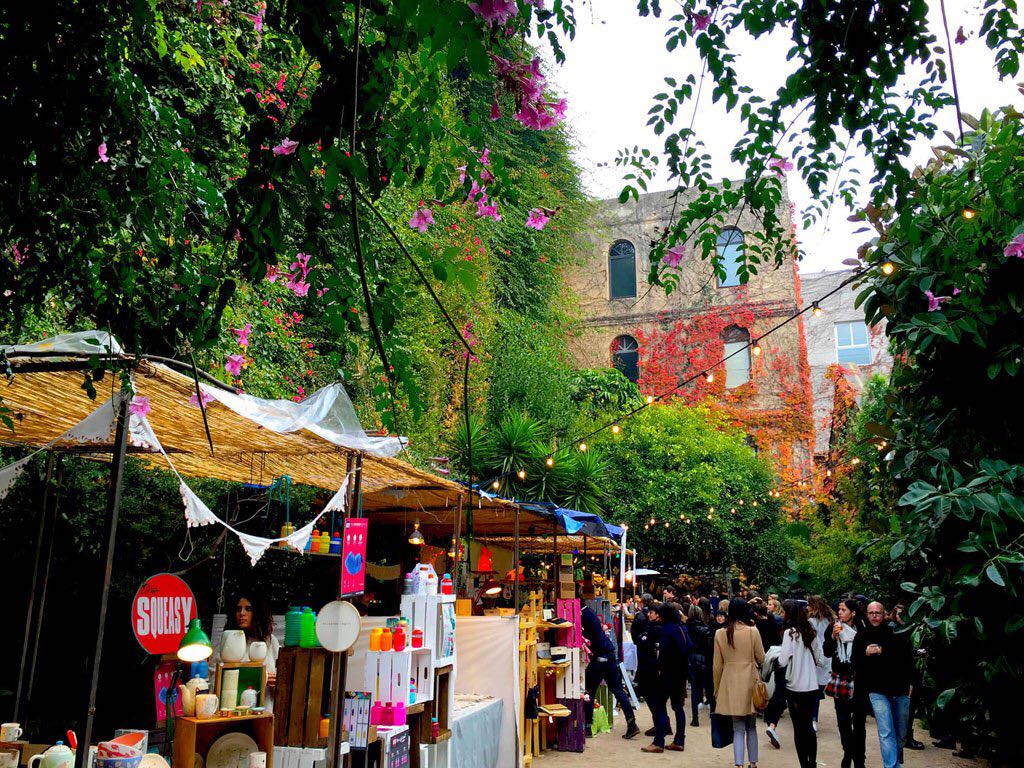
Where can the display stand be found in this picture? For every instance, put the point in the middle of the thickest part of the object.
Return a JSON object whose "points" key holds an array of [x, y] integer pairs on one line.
{"points": [[252, 673], [193, 736], [299, 702]]}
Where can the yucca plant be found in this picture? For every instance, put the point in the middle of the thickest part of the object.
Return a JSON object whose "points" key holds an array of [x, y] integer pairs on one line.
{"points": [[579, 482]]}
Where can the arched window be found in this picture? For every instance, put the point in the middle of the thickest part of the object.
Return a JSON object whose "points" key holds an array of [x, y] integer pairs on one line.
{"points": [[622, 270], [737, 366], [626, 357], [730, 253]]}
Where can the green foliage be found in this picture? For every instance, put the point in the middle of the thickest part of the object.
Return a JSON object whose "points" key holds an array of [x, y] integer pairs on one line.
{"points": [[958, 459], [604, 390], [673, 464]]}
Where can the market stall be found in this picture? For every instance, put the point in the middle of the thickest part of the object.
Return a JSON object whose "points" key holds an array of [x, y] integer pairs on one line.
{"points": [[230, 436]]}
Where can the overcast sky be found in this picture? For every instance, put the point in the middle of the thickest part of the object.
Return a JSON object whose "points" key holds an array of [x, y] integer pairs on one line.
{"points": [[617, 62]]}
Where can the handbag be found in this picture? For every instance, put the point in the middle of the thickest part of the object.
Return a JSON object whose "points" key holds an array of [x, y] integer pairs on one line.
{"points": [[759, 693], [840, 687], [721, 730]]}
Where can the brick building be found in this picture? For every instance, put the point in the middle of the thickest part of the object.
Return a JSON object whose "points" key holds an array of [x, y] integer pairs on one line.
{"points": [[660, 339]]}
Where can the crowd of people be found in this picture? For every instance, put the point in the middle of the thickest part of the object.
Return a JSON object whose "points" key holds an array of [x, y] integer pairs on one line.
{"points": [[761, 656]]}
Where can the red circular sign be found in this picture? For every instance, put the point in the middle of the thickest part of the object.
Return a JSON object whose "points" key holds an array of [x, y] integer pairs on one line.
{"points": [[161, 611]]}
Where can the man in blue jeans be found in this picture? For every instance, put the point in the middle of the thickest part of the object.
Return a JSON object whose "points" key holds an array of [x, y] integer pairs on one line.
{"points": [[883, 664]]}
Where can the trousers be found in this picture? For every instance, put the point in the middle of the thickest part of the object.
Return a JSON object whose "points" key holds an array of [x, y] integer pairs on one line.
{"points": [[606, 670], [801, 709]]}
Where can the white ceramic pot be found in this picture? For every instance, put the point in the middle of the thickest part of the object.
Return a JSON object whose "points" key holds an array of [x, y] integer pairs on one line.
{"points": [[248, 698], [232, 645], [257, 650], [207, 705], [57, 756]]}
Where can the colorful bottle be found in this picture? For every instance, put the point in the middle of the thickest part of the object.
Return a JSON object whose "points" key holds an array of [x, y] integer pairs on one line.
{"points": [[385, 639], [375, 634], [377, 714], [336, 544], [325, 726], [435, 729], [398, 638], [447, 587], [417, 638], [292, 626], [412, 690], [307, 632]]}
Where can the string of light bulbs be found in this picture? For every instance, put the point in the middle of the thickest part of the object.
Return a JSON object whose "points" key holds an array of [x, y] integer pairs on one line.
{"points": [[754, 345]]}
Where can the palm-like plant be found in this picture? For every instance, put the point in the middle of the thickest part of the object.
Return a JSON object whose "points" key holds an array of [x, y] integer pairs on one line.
{"points": [[579, 482]]}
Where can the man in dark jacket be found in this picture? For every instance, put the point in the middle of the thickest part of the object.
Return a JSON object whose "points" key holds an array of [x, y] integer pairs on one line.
{"points": [[883, 664], [604, 666], [646, 641], [674, 648]]}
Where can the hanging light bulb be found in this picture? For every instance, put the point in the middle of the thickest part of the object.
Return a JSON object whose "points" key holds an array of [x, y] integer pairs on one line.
{"points": [[855, 461], [741, 502], [711, 510], [521, 474], [652, 521], [732, 511], [666, 523], [754, 503], [710, 517], [710, 377], [496, 484], [416, 538], [616, 429], [888, 268], [968, 212], [756, 349], [828, 473], [550, 461], [815, 309], [650, 399], [583, 447]]}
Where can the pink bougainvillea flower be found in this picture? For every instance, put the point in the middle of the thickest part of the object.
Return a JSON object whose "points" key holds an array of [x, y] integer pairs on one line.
{"points": [[558, 108], [487, 210], [674, 255], [960, 38], [242, 334], [301, 264], [233, 364], [101, 150], [421, 219], [280, 82], [495, 11], [194, 401], [956, 291], [495, 109], [1015, 247], [780, 166], [139, 406], [299, 287], [701, 21], [273, 273], [286, 147], [537, 219], [19, 256], [935, 302]]}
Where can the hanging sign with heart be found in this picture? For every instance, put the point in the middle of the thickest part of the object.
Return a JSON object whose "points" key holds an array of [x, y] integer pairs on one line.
{"points": [[353, 556]]}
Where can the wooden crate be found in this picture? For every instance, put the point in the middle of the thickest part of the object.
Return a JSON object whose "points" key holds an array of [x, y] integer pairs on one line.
{"points": [[301, 682], [570, 611], [249, 673], [193, 736]]}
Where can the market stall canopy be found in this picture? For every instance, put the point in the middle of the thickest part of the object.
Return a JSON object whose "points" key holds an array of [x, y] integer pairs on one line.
{"points": [[254, 440], [574, 522]]}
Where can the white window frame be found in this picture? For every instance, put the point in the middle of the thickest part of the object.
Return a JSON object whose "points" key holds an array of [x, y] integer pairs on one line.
{"points": [[841, 347]]}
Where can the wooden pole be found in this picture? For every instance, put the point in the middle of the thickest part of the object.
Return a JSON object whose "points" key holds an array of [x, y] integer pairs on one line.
{"points": [[113, 512], [51, 513], [339, 665], [30, 612], [515, 564]]}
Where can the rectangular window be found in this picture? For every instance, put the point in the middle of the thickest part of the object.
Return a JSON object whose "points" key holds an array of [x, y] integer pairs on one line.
{"points": [[623, 278], [737, 367], [852, 344]]}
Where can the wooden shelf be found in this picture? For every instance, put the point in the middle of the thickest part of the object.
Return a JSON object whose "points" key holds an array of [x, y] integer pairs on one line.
{"points": [[219, 720], [443, 735], [194, 736]]}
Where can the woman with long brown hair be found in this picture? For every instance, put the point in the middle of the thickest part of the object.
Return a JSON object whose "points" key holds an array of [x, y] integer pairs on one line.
{"points": [[801, 656], [738, 654]]}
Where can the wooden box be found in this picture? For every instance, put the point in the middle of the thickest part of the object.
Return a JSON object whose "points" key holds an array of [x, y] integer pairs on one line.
{"points": [[193, 736], [249, 673], [301, 682]]}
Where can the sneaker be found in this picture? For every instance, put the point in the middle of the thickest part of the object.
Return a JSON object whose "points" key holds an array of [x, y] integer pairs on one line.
{"points": [[632, 730], [814, 725], [773, 737]]}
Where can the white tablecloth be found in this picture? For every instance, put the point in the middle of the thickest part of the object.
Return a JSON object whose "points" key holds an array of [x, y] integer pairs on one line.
{"points": [[476, 731]]}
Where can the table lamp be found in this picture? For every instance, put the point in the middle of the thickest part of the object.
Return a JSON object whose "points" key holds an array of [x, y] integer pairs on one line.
{"points": [[195, 645]]}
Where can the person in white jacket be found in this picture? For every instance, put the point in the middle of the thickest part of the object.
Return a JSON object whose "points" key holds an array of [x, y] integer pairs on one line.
{"points": [[801, 655], [822, 617]]}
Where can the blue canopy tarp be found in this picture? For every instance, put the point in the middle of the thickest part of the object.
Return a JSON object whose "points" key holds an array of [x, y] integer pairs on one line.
{"points": [[575, 522]]}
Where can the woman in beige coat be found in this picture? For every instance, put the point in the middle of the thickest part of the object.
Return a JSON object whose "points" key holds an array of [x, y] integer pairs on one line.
{"points": [[738, 654]]}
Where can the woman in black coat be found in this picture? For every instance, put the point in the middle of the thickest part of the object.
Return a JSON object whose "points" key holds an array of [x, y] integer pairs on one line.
{"points": [[673, 664]]}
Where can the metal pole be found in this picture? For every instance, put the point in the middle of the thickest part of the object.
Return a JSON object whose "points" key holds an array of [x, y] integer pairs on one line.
{"points": [[32, 591], [515, 564], [113, 512], [51, 513]]}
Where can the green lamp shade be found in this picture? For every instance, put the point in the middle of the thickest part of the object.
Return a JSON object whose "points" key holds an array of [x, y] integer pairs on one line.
{"points": [[195, 645]]}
